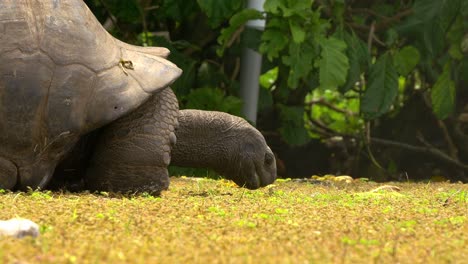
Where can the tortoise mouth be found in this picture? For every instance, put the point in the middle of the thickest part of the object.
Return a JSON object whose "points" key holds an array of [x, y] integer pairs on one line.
{"points": [[253, 182], [258, 177], [265, 174]]}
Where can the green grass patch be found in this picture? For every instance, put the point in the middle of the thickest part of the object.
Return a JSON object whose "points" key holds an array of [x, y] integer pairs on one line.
{"points": [[213, 221]]}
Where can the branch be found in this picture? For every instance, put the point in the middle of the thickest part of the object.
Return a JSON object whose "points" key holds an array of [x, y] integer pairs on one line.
{"points": [[371, 37], [448, 139], [395, 18], [428, 150], [235, 36], [386, 22], [324, 130], [151, 8], [368, 12], [451, 145], [236, 70], [358, 26], [424, 150], [321, 101], [380, 42], [321, 128]]}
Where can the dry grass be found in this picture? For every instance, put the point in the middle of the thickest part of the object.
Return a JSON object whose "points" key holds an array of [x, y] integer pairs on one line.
{"points": [[207, 221]]}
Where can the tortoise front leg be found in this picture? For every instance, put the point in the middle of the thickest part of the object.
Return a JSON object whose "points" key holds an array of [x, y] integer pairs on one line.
{"points": [[132, 154]]}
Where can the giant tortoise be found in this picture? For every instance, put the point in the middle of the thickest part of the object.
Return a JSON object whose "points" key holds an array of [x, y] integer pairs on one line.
{"points": [[62, 76]]}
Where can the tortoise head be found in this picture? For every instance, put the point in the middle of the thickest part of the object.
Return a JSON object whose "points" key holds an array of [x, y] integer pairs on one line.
{"points": [[226, 143], [256, 162], [253, 164]]}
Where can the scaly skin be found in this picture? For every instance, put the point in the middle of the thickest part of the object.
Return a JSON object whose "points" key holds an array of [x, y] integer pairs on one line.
{"points": [[132, 154], [226, 143]]}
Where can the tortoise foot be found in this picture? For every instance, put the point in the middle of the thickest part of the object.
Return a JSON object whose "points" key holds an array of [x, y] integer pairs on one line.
{"points": [[126, 178]]}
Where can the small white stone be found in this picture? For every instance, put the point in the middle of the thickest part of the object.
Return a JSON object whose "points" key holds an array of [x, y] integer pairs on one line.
{"points": [[19, 227]]}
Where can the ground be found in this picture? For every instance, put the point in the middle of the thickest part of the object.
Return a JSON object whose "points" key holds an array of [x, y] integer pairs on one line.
{"points": [[213, 221]]}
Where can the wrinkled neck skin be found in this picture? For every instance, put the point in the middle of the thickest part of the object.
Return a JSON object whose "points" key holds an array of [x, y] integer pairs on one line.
{"points": [[203, 140], [225, 143]]}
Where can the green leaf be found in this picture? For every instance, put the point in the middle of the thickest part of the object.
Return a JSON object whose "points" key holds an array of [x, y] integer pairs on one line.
{"points": [[272, 6], [426, 10], [299, 8], [128, 11], [463, 69], [433, 38], [464, 12], [333, 64], [451, 9], [179, 9], [455, 38], [288, 8], [292, 125], [382, 88], [269, 78], [391, 37], [235, 23], [339, 13], [213, 99], [299, 60], [464, 44], [443, 94], [358, 60], [336, 120], [188, 65], [274, 39], [219, 11], [406, 59], [265, 100], [428, 25], [297, 32]]}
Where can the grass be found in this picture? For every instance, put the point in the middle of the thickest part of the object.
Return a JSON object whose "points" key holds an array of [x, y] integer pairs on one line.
{"points": [[212, 221]]}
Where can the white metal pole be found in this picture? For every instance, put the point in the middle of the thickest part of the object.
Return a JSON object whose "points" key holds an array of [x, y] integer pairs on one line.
{"points": [[251, 65]]}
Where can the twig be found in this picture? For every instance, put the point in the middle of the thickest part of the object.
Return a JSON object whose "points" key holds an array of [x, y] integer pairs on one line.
{"points": [[420, 137], [235, 36], [217, 64], [325, 130], [236, 70], [395, 18], [425, 150], [321, 101], [428, 149], [368, 11], [386, 22], [143, 5], [151, 8], [320, 127], [371, 37], [448, 139], [358, 26], [367, 131], [381, 43], [450, 144]]}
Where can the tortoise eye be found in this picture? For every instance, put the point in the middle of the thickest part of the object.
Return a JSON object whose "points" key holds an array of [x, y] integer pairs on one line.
{"points": [[268, 159]]}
